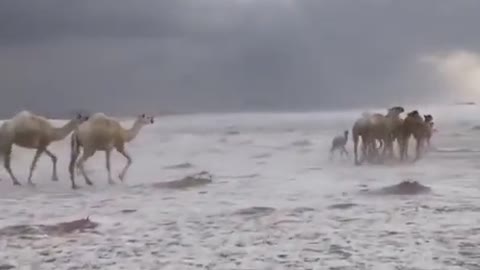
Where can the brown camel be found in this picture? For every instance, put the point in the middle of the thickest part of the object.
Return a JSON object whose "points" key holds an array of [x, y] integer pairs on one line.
{"points": [[372, 128], [32, 131], [393, 124], [417, 126], [360, 129], [388, 132], [103, 133]]}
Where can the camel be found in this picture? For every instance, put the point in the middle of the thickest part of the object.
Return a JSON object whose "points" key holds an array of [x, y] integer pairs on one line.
{"points": [[361, 129], [32, 131], [428, 119], [393, 125], [338, 143], [387, 129], [372, 128], [103, 133], [417, 126]]}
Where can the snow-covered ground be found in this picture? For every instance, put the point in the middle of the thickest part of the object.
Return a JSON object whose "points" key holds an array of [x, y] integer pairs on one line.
{"points": [[276, 201]]}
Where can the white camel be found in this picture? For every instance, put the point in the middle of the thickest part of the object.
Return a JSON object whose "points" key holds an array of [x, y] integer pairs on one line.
{"points": [[102, 133], [32, 131]]}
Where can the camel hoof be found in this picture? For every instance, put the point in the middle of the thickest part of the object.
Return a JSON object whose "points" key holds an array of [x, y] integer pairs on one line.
{"points": [[16, 183], [121, 177], [111, 182], [31, 184], [55, 178], [89, 183], [75, 187]]}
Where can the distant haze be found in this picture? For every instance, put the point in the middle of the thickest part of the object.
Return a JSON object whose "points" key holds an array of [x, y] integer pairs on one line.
{"points": [[126, 57]]}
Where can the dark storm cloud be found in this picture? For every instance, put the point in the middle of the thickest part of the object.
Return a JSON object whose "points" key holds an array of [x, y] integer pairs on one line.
{"points": [[124, 56]]}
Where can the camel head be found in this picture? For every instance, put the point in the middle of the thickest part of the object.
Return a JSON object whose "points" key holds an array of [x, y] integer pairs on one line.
{"points": [[80, 118], [428, 118], [395, 111], [145, 119], [414, 114]]}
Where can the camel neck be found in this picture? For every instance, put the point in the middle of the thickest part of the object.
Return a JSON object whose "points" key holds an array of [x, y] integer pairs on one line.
{"points": [[392, 115], [133, 131], [61, 132]]}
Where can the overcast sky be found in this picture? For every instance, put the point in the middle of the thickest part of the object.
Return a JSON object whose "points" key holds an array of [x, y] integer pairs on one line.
{"points": [[124, 56]]}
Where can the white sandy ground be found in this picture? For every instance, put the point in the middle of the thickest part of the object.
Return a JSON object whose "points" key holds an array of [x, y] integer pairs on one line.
{"points": [[277, 166]]}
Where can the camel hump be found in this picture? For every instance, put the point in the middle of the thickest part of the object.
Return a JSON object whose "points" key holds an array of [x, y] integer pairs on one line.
{"points": [[99, 123], [377, 119], [26, 120], [24, 113], [414, 113], [21, 116], [100, 119], [362, 121], [98, 115]]}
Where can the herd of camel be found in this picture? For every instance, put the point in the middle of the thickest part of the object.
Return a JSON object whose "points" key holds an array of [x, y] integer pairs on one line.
{"points": [[99, 132], [386, 130]]}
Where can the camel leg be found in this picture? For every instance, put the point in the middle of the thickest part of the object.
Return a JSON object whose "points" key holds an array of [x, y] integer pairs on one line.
{"points": [[392, 146], [344, 150], [54, 162], [122, 151], [407, 140], [397, 140], [418, 148], [340, 152], [71, 167], [385, 150], [377, 152], [332, 153], [388, 150], [87, 153], [107, 160], [38, 153], [401, 147], [6, 164], [355, 152], [370, 147], [366, 150], [404, 148], [365, 145]]}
